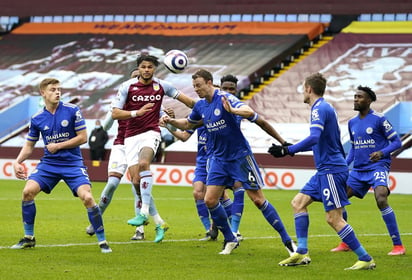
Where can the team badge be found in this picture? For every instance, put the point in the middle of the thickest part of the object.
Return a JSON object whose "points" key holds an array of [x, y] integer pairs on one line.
{"points": [[156, 87], [64, 123], [369, 130], [216, 112]]}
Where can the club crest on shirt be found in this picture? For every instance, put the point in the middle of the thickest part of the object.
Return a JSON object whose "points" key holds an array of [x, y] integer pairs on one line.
{"points": [[369, 130], [65, 123], [156, 87], [216, 112]]}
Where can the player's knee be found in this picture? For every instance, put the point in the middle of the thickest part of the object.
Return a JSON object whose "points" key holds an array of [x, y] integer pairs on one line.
{"points": [[198, 195], [382, 202]]}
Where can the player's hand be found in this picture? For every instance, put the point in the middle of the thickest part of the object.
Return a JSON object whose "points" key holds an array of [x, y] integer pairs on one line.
{"points": [[278, 151], [226, 104], [52, 148], [20, 171], [170, 112], [146, 108], [375, 156], [164, 120]]}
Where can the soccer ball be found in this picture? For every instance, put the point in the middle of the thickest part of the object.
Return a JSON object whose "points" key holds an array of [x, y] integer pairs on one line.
{"points": [[176, 61]]}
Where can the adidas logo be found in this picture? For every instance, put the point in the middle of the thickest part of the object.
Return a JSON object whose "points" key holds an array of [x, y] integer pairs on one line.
{"points": [[46, 127], [330, 203]]}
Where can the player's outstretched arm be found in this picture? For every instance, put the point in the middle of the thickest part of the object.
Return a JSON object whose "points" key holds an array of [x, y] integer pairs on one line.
{"points": [[269, 129], [25, 152]]}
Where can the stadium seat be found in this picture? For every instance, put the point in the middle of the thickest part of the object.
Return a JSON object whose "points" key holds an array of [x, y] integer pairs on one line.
{"points": [[269, 18], [108, 18], [236, 17], [224, 18], [119, 18], [314, 18], [170, 18], [401, 17], [291, 18], [214, 18], [257, 17], [377, 17], [364, 17], [247, 17], [203, 18], [139, 18], [192, 18], [181, 18], [389, 17], [280, 18], [324, 18], [150, 18], [86, 18], [57, 18], [303, 18], [98, 18], [68, 18], [48, 19], [160, 18]]}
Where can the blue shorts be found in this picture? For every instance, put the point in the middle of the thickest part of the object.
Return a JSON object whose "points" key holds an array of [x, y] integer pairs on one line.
{"points": [[361, 181], [328, 188], [47, 176], [244, 170]]}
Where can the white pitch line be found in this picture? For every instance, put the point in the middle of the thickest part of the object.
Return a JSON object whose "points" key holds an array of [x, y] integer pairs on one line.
{"points": [[191, 240]]}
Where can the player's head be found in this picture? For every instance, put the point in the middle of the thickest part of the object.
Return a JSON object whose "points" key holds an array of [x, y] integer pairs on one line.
{"points": [[203, 83], [146, 65], [228, 83], [369, 91], [46, 82], [316, 82], [363, 98], [50, 90], [148, 58]]}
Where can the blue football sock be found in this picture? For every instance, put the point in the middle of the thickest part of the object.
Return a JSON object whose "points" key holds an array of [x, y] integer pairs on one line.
{"points": [[271, 215], [348, 236], [29, 215], [107, 193], [227, 204], [390, 220], [219, 216], [203, 213], [95, 219], [302, 227], [237, 208]]}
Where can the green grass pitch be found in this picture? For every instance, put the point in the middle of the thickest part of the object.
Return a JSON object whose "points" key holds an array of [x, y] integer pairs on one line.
{"points": [[64, 251]]}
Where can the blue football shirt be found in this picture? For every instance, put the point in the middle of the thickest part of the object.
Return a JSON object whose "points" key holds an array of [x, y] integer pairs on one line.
{"points": [[225, 138], [327, 150], [370, 134], [58, 127]]}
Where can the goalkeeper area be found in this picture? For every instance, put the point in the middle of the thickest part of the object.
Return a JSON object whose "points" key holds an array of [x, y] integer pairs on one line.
{"points": [[65, 251]]}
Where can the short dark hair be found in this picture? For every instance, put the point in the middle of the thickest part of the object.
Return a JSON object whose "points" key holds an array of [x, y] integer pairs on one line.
{"points": [[369, 91], [145, 57], [228, 78], [203, 73], [317, 82]]}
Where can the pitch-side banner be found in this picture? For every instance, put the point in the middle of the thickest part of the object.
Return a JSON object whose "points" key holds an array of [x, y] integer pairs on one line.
{"points": [[274, 178]]}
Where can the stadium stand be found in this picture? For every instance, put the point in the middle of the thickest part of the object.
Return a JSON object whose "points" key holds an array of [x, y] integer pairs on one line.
{"points": [[269, 65]]}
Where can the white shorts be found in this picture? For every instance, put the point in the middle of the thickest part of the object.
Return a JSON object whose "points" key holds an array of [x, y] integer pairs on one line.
{"points": [[117, 160], [133, 145]]}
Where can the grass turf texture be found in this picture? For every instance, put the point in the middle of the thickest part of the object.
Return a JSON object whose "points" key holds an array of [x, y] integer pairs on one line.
{"points": [[64, 251]]}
